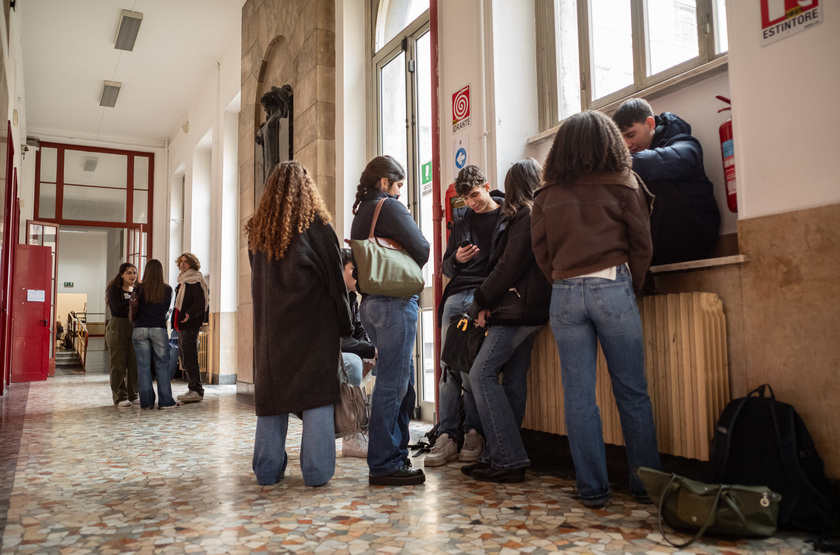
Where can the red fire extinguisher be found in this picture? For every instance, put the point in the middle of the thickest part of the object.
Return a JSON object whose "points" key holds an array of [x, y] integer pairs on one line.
{"points": [[727, 148], [453, 201]]}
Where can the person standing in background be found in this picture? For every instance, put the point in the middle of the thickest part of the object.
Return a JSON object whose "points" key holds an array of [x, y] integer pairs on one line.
{"points": [[123, 368], [192, 301], [152, 299]]}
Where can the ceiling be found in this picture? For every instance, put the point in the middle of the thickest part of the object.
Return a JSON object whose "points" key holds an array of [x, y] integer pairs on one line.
{"points": [[68, 51]]}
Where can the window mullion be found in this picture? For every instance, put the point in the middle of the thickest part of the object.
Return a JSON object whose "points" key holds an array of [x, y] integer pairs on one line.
{"points": [[705, 30], [639, 28], [584, 51]]}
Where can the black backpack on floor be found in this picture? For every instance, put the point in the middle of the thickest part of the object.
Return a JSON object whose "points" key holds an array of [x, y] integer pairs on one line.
{"points": [[763, 442]]}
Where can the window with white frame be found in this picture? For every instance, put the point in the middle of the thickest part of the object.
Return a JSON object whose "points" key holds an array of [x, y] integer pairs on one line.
{"points": [[596, 52]]}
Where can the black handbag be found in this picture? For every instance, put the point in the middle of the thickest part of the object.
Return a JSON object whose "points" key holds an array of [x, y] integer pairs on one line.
{"points": [[695, 507], [464, 338]]}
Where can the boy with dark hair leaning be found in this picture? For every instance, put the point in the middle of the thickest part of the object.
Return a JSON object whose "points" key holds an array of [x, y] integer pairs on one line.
{"points": [[685, 220], [465, 264]]}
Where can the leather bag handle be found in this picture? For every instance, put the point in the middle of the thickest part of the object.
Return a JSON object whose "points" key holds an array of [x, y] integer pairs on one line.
{"points": [[385, 242]]}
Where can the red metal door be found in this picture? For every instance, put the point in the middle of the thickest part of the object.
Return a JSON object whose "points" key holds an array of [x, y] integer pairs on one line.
{"points": [[31, 297]]}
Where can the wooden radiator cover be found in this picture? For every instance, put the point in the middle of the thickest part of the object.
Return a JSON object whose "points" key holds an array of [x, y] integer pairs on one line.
{"points": [[686, 366]]}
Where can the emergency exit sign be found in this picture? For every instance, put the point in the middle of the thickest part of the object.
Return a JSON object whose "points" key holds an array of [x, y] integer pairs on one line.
{"points": [[68, 284]]}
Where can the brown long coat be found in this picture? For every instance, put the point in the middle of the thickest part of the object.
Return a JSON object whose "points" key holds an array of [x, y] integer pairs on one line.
{"points": [[300, 315]]}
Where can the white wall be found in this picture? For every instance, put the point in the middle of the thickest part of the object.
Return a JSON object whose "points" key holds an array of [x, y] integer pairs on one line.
{"points": [[785, 116], [350, 108], [82, 259]]}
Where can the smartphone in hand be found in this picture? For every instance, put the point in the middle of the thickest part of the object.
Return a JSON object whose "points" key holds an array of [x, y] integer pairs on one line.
{"points": [[464, 243]]}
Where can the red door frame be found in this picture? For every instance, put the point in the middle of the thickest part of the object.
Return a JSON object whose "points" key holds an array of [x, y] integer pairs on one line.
{"points": [[10, 236]]}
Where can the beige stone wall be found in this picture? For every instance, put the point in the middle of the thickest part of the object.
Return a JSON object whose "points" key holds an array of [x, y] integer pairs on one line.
{"points": [[781, 308], [284, 42]]}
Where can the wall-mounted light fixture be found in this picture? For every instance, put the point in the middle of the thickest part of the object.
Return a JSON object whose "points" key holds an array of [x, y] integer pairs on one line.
{"points": [[90, 163], [110, 91], [127, 30]]}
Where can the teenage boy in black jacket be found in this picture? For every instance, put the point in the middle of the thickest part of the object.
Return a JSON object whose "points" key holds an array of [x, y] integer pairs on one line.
{"points": [[685, 220], [465, 264]]}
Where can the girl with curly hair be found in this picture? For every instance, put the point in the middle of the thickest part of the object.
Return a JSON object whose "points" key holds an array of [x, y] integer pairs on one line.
{"points": [[300, 314], [590, 232]]}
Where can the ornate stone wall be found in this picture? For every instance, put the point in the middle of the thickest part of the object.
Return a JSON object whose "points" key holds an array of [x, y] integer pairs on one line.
{"points": [[284, 42]]}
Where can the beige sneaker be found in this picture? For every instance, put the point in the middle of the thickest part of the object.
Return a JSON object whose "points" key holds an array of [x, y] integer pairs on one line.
{"points": [[190, 397], [124, 403], [444, 450], [473, 446], [355, 445]]}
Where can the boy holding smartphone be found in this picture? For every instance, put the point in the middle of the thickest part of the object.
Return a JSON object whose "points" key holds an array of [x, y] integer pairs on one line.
{"points": [[465, 264]]}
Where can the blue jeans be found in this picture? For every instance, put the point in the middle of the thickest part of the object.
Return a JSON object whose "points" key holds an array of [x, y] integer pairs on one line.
{"points": [[148, 343], [353, 367], [391, 324], [317, 447], [583, 311], [501, 407], [449, 391]]}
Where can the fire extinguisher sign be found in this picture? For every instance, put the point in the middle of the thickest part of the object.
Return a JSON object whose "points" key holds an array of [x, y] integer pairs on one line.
{"points": [[783, 18]]}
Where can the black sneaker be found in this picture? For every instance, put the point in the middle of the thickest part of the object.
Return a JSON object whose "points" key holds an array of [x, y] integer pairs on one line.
{"points": [[405, 476]]}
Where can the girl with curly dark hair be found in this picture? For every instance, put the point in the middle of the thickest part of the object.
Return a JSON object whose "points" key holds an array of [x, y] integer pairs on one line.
{"points": [[590, 232], [300, 314]]}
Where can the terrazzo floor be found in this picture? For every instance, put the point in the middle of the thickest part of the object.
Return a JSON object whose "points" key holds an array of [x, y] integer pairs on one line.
{"points": [[82, 476]]}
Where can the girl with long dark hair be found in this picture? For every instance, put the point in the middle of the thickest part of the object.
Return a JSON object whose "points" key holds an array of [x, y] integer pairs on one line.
{"points": [[391, 324], [118, 337], [591, 238], [513, 300], [153, 297], [300, 314]]}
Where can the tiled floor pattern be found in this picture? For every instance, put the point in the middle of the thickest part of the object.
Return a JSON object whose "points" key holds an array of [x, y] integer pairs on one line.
{"points": [[92, 478]]}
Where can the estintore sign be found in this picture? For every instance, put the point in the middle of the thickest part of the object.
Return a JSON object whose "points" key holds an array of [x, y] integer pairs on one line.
{"points": [[461, 109], [783, 18]]}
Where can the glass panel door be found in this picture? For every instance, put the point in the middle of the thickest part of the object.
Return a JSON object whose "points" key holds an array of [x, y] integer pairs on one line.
{"points": [[404, 107]]}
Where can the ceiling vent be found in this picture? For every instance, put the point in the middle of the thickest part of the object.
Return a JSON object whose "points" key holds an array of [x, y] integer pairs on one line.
{"points": [[90, 163], [110, 91], [127, 31]]}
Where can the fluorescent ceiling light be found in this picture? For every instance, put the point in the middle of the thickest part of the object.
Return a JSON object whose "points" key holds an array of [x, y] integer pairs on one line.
{"points": [[127, 31], [110, 90]]}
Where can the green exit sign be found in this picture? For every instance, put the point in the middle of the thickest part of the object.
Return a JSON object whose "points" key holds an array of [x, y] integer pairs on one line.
{"points": [[68, 284]]}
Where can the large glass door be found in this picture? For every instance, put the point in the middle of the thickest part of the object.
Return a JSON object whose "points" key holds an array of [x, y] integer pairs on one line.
{"points": [[404, 130]]}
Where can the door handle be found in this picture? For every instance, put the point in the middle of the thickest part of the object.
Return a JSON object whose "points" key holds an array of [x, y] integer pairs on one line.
{"points": [[45, 322]]}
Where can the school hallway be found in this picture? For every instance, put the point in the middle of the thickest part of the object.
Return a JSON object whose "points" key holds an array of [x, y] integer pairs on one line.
{"points": [[82, 476]]}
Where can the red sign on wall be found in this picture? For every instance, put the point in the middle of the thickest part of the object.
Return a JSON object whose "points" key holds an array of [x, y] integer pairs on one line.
{"points": [[461, 109], [783, 18]]}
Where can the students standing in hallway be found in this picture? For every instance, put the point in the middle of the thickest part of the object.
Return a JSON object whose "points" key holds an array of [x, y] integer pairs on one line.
{"points": [[590, 232], [391, 323], [300, 314], [465, 264], [152, 297], [192, 300], [118, 337], [513, 301]]}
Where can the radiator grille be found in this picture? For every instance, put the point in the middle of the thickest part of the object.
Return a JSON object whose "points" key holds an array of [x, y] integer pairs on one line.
{"points": [[686, 368], [203, 339]]}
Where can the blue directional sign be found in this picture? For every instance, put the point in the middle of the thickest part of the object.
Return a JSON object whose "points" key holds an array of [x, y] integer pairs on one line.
{"points": [[461, 158]]}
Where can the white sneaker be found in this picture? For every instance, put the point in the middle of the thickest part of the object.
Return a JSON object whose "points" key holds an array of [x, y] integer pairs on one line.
{"points": [[175, 406], [444, 450], [125, 403], [473, 446], [355, 445]]}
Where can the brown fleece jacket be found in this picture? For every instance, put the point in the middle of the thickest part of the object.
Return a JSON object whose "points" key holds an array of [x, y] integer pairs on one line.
{"points": [[599, 221]]}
